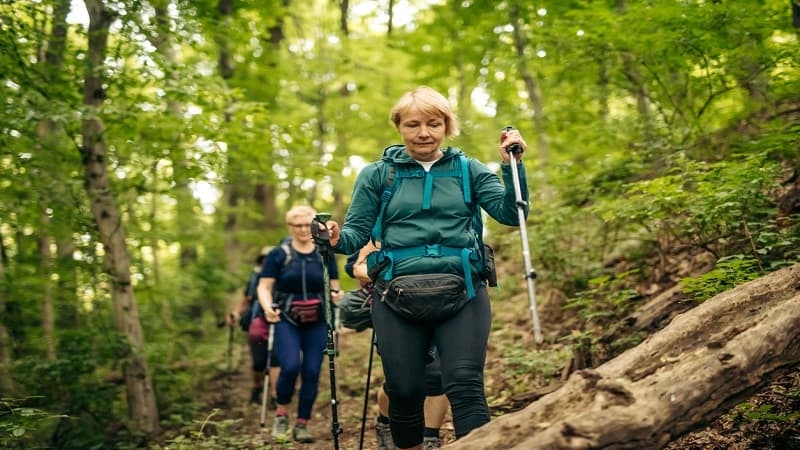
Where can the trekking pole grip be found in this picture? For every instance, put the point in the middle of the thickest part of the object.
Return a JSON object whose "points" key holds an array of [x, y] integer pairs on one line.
{"points": [[513, 148]]}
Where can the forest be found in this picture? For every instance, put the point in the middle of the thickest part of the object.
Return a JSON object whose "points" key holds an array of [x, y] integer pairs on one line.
{"points": [[150, 148]]}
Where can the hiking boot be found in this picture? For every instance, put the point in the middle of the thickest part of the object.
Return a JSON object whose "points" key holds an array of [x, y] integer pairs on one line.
{"points": [[280, 427], [383, 437], [300, 433], [255, 395], [430, 443]]}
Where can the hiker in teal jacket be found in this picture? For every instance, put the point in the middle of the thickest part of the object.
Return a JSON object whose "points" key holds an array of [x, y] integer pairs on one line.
{"points": [[422, 201]]}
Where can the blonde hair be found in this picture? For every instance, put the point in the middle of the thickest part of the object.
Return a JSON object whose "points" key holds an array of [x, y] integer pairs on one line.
{"points": [[429, 102], [301, 211]]}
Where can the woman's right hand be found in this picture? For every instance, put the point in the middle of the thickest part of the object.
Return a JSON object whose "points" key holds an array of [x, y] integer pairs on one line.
{"points": [[272, 315], [333, 232]]}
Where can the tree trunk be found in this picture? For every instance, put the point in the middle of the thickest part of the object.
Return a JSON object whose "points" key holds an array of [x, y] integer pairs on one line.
{"points": [[344, 6], [47, 300], [532, 88], [7, 387], [638, 87], [49, 136], [694, 370], [140, 394]]}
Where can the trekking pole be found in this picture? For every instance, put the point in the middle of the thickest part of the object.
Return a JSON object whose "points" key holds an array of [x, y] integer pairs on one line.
{"points": [[366, 392], [337, 326], [265, 389], [321, 237], [530, 274]]}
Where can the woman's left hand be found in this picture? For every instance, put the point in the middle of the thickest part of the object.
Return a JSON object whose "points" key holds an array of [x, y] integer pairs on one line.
{"points": [[272, 315], [509, 138]]}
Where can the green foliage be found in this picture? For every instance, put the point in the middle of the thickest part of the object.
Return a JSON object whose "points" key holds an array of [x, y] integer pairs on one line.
{"points": [[76, 385], [520, 361], [728, 273], [606, 299], [666, 131], [747, 412], [18, 423], [208, 433]]}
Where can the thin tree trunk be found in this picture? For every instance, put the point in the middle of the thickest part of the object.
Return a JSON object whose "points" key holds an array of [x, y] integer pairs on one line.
{"points": [[344, 6], [153, 239], [532, 88], [632, 74], [264, 195], [139, 386], [48, 310], [49, 135], [7, 387], [230, 191], [390, 23], [67, 287]]}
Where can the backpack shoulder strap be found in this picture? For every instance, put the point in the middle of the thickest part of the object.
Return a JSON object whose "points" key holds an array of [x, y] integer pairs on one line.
{"points": [[392, 181], [466, 187], [289, 251], [389, 186]]}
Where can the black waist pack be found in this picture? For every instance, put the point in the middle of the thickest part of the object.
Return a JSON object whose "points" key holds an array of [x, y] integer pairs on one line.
{"points": [[426, 297]]}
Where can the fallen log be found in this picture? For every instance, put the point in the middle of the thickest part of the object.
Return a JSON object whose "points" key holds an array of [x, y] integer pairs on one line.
{"points": [[705, 361]]}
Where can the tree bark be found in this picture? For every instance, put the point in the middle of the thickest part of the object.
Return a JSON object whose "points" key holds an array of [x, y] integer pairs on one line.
{"points": [[7, 386], [694, 370], [50, 135], [139, 386]]}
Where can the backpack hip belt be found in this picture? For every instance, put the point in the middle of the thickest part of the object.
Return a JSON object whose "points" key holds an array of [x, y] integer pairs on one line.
{"points": [[467, 255]]}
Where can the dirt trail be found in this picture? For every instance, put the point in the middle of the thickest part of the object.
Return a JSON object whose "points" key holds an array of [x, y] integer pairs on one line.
{"points": [[351, 370]]}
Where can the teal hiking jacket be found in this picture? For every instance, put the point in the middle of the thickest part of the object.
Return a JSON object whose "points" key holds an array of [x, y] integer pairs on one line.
{"points": [[447, 222]]}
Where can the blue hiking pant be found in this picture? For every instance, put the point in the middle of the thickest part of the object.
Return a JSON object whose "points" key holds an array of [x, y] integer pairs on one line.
{"points": [[300, 350]]}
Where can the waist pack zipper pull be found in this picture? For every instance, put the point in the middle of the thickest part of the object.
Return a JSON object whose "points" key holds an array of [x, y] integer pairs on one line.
{"points": [[383, 295]]}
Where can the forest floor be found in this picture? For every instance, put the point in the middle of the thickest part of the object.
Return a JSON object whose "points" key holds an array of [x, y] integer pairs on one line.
{"points": [[231, 394], [768, 420]]}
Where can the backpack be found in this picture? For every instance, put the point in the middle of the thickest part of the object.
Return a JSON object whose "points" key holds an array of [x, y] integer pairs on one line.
{"points": [[251, 288], [483, 256], [251, 291], [354, 309], [286, 300]]}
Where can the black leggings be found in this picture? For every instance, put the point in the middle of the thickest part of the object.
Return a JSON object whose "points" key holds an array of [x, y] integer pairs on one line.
{"points": [[461, 344], [258, 352]]}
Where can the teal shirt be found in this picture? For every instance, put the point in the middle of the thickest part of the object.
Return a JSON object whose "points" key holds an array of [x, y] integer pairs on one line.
{"points": [[447, 222]]}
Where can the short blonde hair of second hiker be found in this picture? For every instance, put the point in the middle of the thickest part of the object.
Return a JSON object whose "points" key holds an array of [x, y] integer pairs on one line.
{"points": [[300, 212], [428, 101]]}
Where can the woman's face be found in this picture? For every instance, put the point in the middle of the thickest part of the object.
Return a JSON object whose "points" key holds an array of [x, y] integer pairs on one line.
{"points": [[300, 228], [422, 134]]}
